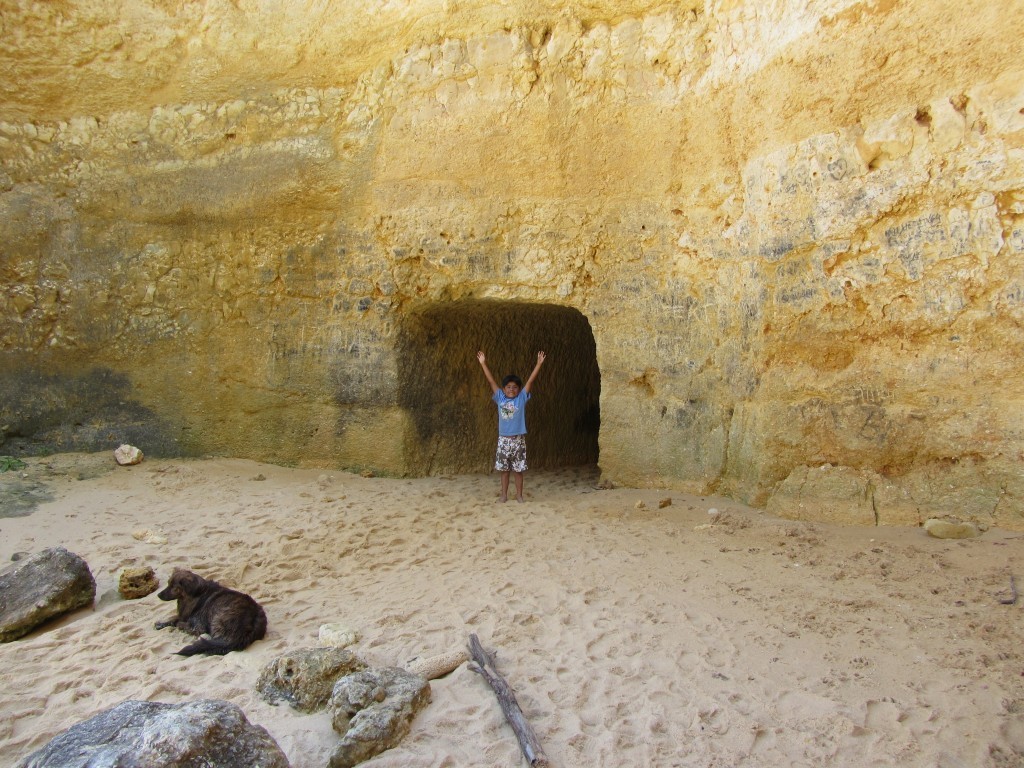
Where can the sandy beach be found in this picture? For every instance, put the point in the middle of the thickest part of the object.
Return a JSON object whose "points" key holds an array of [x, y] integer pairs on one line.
{"points": [[637, 627]]}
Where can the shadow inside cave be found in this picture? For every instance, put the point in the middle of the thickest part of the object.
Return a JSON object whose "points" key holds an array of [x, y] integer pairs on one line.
{"points": [[444, 390]]}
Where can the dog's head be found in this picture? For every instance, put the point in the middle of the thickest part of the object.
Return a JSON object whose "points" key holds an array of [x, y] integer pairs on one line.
{"points": [[181, 584]]}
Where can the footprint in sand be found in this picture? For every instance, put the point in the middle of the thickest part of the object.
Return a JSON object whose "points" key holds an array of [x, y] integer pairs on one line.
{"points": [[883, 714], [764, 740]]}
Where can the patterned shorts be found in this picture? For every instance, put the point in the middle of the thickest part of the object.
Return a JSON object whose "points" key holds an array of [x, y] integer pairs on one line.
{"points": [[511, 455]]}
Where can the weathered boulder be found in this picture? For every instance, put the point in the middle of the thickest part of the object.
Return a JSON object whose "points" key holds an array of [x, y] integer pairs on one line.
{"points": [[137, 582], [194, 734], [306, 677], [373, 711], [40, 587]]}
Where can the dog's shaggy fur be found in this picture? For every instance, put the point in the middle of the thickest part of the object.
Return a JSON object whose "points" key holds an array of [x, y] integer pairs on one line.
{"points": [[224, 620]]}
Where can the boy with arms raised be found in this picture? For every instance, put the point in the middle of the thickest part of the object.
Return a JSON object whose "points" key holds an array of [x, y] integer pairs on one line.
{"points": [[511, 399]]}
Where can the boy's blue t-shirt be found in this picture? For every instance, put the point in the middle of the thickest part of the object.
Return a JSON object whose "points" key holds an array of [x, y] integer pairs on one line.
{"points": [[511, 413]]}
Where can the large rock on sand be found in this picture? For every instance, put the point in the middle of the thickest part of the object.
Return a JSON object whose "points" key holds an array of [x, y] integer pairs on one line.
{"points": [[208, 733], [40, 587], [373, 712], [306, 677]]}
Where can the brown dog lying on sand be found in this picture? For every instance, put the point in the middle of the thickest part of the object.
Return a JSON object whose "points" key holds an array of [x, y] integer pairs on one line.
{"points": [[230, 620]]}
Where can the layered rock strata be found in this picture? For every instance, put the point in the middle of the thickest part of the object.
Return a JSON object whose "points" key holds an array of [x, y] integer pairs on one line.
{"points": [[761, 242]]}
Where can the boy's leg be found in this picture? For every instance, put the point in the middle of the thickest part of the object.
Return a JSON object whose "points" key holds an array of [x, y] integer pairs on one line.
{"points": [[501, 464], [504, 485], [518, 461]]}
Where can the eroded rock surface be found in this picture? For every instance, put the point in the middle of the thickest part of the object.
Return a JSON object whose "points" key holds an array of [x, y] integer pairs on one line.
{"points": [[306, 677], [736, 271], [134, 583], [207, 734], [373, 711], [40, 587]]}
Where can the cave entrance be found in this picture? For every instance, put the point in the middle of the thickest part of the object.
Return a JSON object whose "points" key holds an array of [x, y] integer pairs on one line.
{"points": [[455, 423]]}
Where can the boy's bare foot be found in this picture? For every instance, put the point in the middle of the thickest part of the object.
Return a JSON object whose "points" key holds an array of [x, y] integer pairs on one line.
{"points": [[519, 499], [502, 499]]}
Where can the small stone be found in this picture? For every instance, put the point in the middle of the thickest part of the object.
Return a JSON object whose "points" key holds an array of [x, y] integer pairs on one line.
{"points": [[137, 582], [665, 503], [640, 505], [951, 529], [126, 455], [337, 635], [260, 476], [149, 536], [713, 512]]}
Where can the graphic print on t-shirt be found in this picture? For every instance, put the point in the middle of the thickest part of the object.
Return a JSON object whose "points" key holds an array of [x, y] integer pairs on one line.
{"points": [[507, 410]]}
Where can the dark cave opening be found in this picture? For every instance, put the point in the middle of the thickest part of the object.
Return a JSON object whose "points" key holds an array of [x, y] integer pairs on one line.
{"points": [[444, 390]]}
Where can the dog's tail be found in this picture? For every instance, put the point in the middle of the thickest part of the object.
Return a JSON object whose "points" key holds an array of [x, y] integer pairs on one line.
{"points": [[209, 645]]}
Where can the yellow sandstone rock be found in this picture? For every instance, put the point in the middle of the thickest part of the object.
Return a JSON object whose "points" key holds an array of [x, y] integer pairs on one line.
{"points": [[754, 240], [134, 583], [951, 529]]}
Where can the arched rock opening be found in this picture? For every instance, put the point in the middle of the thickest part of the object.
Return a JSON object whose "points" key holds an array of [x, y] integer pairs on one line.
{"points": [[445, 392]]}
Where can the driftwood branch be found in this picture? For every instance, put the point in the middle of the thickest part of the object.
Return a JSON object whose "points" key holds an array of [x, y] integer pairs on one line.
{"points": [[528, 743]]}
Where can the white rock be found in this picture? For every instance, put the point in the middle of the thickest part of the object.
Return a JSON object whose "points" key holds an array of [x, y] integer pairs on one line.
{"points": [[337, 635], [150, 536], [127, 454]]}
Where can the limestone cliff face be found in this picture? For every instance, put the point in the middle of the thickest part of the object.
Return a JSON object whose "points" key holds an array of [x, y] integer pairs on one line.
{"points": [[773, 249]]}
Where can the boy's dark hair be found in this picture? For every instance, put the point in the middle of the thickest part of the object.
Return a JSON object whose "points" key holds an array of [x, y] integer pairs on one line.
{"points": [[512, 377]]}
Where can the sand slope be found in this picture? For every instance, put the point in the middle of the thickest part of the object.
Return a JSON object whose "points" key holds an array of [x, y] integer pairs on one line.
{"points": [[633, 636]]}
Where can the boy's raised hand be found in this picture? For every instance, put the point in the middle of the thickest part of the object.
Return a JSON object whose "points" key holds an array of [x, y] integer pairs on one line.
{"points": [[536, 369], [487, 371]]}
